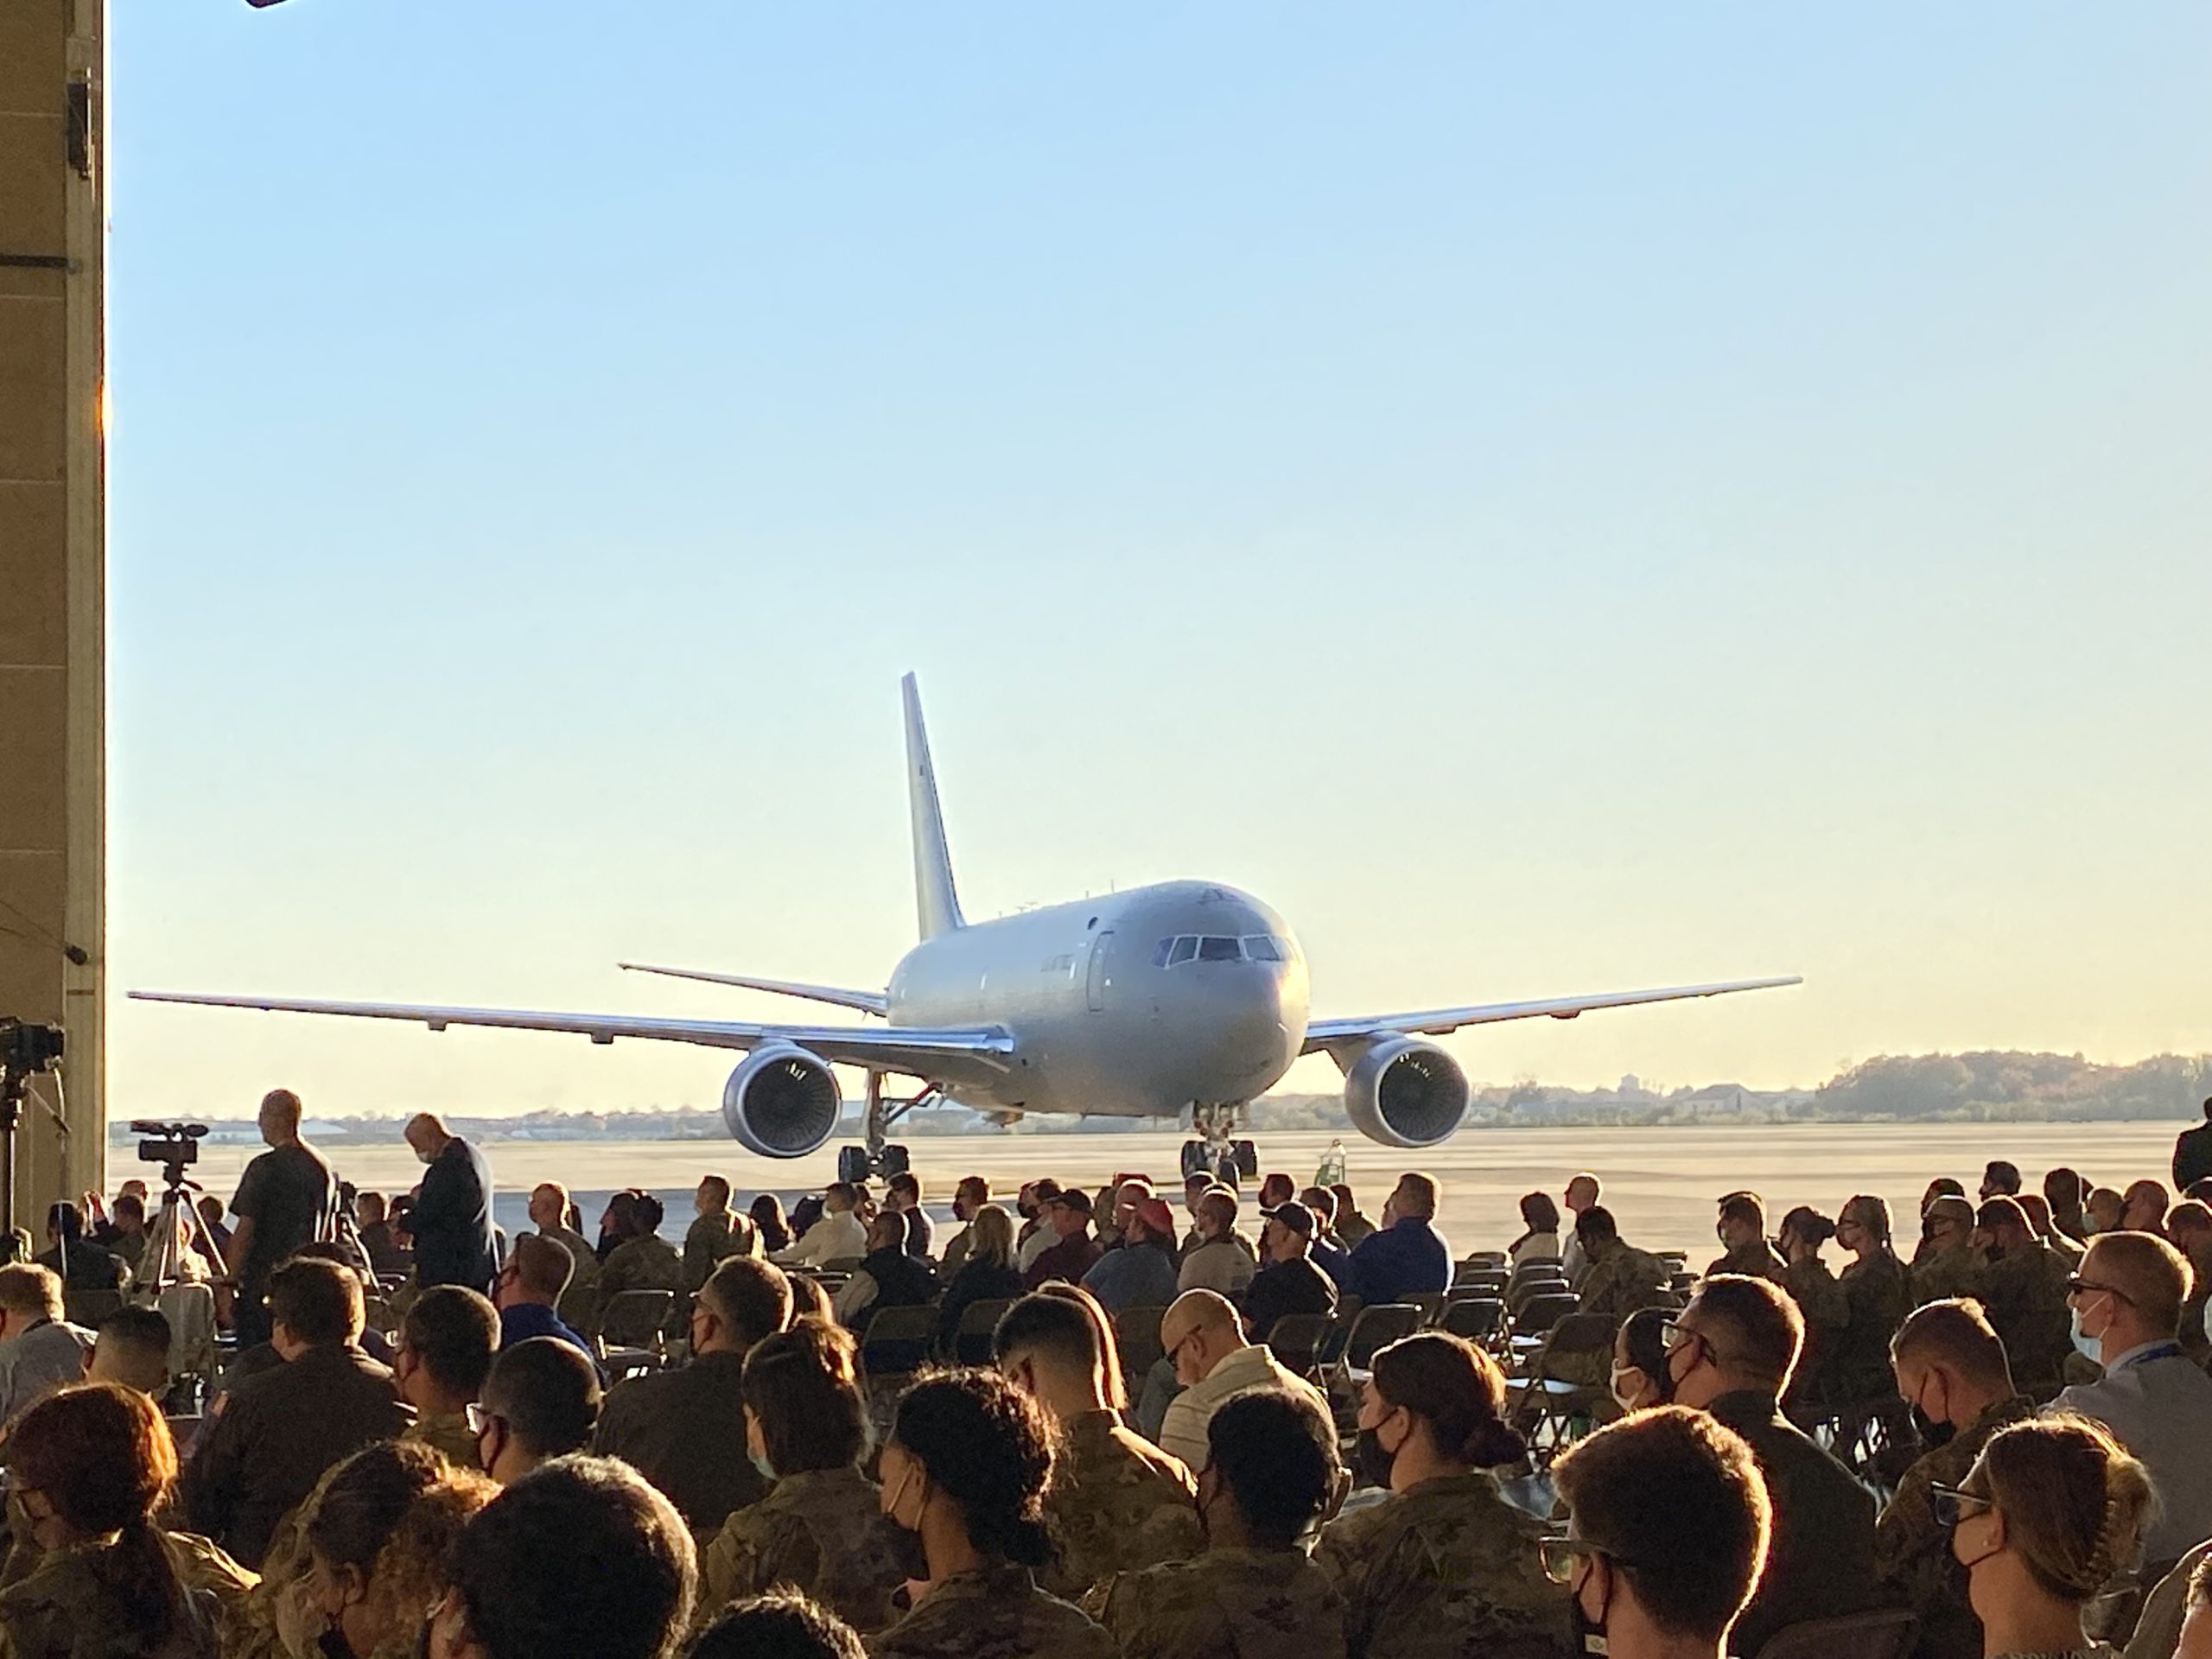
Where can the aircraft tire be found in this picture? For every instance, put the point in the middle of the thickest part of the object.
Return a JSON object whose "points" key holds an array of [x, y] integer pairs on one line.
{"points": [[1247, 1160], [852, 1164], [894, 1162], [1196, 1158]]}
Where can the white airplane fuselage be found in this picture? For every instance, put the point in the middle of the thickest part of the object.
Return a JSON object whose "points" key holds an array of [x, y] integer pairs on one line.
{"points": [[1102, 1022]]}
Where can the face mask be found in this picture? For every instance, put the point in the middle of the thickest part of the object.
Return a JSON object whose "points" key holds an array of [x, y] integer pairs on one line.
{"points": [[767, 1468], [1932, 1432], [2090, 1347], [907, 1555], [1589, 1633], [1634, 1378], [1373, 1463]]}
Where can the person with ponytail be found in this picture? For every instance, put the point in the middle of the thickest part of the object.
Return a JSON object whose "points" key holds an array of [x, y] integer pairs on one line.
{"points": [[90, 1467], [1446, 1565], [2052, 1513], [963, 1473]]}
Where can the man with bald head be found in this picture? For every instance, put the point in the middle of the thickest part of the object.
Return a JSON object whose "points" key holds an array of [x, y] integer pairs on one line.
{"points": [[287, 1198], [2126, 1302], [1204, 1340], [549, 1213], [452, 1221]]}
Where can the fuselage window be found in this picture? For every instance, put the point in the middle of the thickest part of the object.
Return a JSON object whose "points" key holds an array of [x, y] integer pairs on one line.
{"points": [[1186, 946], [1260, 948], [1219, 950]]}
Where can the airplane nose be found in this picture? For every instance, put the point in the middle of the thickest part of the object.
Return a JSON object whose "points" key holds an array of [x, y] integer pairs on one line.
{"points": [[1253, 1028]]}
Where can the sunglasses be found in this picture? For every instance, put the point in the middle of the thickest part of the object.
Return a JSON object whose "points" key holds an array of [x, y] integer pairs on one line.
{"points": [[1953, 1506], [2079, 1287]]}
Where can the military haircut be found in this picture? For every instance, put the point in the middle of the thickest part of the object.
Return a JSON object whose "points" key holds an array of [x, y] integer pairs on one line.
{"points": [[753, 1295], [1955, 1332], [547, 1391], [2148, 1271], [318, 1302], [579, 1559], [717, 1187], [1595, 1225], [455, 1332], [1676, 1503], [544, 1265], [27, 1287], [1279, 1460], [1056, 1324], [142, 1333], [782, 1624], [1746, 1208], [1753, 1325], [1419, 1194]]}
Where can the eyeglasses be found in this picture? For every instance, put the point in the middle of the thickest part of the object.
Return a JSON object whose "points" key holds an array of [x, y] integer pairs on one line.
{"points": [[2079, 1287], [479, 1418], [1674, 1334], [1559, 1556], [1953, 1506]]}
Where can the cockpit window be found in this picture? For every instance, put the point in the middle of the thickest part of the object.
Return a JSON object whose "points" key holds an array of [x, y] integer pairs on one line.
{"points": [[1217, 950], [1260, 948], [1186, 946]]}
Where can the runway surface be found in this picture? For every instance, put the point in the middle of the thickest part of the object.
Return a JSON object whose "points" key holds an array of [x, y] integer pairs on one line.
{"points": [[1660, 1183]]}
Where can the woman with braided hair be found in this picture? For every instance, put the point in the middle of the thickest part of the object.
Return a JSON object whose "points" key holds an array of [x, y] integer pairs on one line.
{"points": [[2051, 1512]]}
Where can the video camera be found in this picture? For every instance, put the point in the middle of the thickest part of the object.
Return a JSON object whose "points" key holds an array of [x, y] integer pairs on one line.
{"points": [[26, 1048], [173, 1146]]}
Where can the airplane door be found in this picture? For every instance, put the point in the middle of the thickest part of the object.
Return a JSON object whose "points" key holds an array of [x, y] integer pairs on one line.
{"points": [[1100, 977]]}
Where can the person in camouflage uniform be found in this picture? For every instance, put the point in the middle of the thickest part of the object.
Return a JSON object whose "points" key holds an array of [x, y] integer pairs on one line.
{"points": [[1742, 1231], [718, 1232], [2023, 1290], [1951, 1366], [1272, 1474], [1878, 1288], [964, 1471], [1117, 1502], [1822, 1301], [1947, 1265], [1618, 1280], [1445, 1565], [643, 1261], [820, 1529], [446, 1344]]}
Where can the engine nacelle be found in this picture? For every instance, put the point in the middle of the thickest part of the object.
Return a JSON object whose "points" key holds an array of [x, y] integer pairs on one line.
{"points": [[1405, 1092], [783, 1102]]}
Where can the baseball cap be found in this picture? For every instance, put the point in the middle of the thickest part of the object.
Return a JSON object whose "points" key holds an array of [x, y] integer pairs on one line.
{"points": [[1073, 1197], [1157, 1216], [1295, 1216]]}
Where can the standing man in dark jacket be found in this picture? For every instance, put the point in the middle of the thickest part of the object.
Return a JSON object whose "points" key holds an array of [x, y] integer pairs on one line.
{"points": [[1731, 1354], [452, 1220], [1408, 1256], [2193, 1152]]}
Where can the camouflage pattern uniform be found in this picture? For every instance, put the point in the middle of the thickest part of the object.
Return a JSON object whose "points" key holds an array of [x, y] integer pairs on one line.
{"points": [[712, 1239], [1827, 1310], [647, 1263], [61, 1606], [1942, 1274], [821, 1532], [1117, 1502], [1880, 1294], [1912, 1549], [1226, 1604], [2025, 1294], [1446, 1568], [1619, 1279], [447, 1432], [1754, 1259], [995, 1612]]}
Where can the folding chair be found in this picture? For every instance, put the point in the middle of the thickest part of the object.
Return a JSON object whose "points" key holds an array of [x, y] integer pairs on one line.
{"points": [[1348, 1311], [1536, 1316], [1522, 1292], [1297, 1339], [971, 1343], [898, 1342], [1487, 1281], [1886, 1635], [1479, 1319], [1431, 1303], [630, 1329], [1482, 1260], [1377, 1327], [1559, 1389]]}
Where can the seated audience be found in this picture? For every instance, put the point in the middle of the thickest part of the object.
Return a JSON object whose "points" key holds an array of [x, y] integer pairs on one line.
{"points": [[2143, 1208], [1353, 1229], [1583, 1191], [1271, 1476], [1947, 1265], [1218, 1258], [133, 1348], [2065, 1191], [90, 1469], [549, 1209], [1290, 1282], [1408, 1256], [2037, 1210], [1733, 1350], [372, 1224], [2050, 1513], [1951, 1369], [1329, 1252], [820, 1530], [1141, 1273], [2105, 1208], [1073, 1252], [902, 1196], [781, 1624], [767, 1217], [640, 1259], [1539, 1239], [889, 1276], [2022, 1289], [838, 1236], [446, 1343], [579, 1559], [39, 1351], [1668, 1526], [1446, 1565], [379, 1531], [126, 1238], [1617, 1279], [716, 1231], [280, 1428], [965, 1471], [2174, 1623], [529, 1289], [685, 1429], [1742, 1231], [1203, 1339], [1116, 1502], [541, 1402], [1639, 1379], [2127, 1306], [2000, 1179], [1821, 1302], [987, 1273], [2189, 1229], [969, 1198]]}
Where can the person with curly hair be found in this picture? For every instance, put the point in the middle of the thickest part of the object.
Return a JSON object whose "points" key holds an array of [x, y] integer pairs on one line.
{"points": [[378, 1535]]}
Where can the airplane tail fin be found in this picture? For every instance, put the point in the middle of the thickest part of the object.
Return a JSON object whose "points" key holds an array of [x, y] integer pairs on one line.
{"points": [[935, 903]]}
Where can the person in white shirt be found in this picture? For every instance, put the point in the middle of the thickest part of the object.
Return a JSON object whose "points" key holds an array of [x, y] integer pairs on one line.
{"points": [[2127, 1299], [1038, 1235], [1220, 1260], [1581, 1193], [39, 1351], [838, 1236], [1204, 1342]]}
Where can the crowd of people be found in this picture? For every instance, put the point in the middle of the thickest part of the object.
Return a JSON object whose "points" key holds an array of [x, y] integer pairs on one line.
{"points": [[1986, 1435]]}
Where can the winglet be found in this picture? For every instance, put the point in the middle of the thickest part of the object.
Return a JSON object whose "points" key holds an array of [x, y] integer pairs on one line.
{"points": [[936, 904]]}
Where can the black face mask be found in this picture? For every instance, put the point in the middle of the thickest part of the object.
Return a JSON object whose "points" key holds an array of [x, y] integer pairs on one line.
{"points": [[912, 1560], [1373, 1463], [1589, 1633], [332, 1644], [1932, 1434]]}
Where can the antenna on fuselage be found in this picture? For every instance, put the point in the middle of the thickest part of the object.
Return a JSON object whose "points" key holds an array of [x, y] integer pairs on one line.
{"points": [[936, 904]]}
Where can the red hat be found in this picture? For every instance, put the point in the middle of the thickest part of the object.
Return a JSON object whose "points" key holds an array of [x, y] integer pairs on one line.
{"points": [[1156, 1217]]}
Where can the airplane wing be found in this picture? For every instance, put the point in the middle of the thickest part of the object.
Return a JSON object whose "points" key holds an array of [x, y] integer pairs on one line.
{"points": [[1327, 1033], [866, 1001], [978, 1053]]}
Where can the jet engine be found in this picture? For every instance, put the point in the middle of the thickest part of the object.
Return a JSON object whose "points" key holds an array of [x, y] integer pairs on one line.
{"points": [[1405, 1092], [782, 1102]]}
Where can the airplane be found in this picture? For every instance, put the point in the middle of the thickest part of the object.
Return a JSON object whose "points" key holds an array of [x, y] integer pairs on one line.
{"points": [[1186, 997]]}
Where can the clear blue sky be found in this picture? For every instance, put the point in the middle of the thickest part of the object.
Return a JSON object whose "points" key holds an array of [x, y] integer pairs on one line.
{"points": [[1551, 501]]}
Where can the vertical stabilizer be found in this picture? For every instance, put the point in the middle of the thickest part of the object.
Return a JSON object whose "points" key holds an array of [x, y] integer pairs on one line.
{"points": [[935, 902]]}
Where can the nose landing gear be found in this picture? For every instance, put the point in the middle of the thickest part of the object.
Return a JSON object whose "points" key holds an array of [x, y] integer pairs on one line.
{"points": [[1217, 1153], [877, 1159]]}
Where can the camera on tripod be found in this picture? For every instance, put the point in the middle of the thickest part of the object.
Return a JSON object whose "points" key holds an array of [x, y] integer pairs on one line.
{"points": [[26, 1048], [173, 1146]]}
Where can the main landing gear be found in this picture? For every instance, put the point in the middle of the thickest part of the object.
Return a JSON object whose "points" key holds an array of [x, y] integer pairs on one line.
{"points": [[1218, 1154], [878, 1159]]}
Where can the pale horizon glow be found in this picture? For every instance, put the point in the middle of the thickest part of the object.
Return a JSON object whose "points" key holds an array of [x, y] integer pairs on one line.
{"points": [[1548, 502]]}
